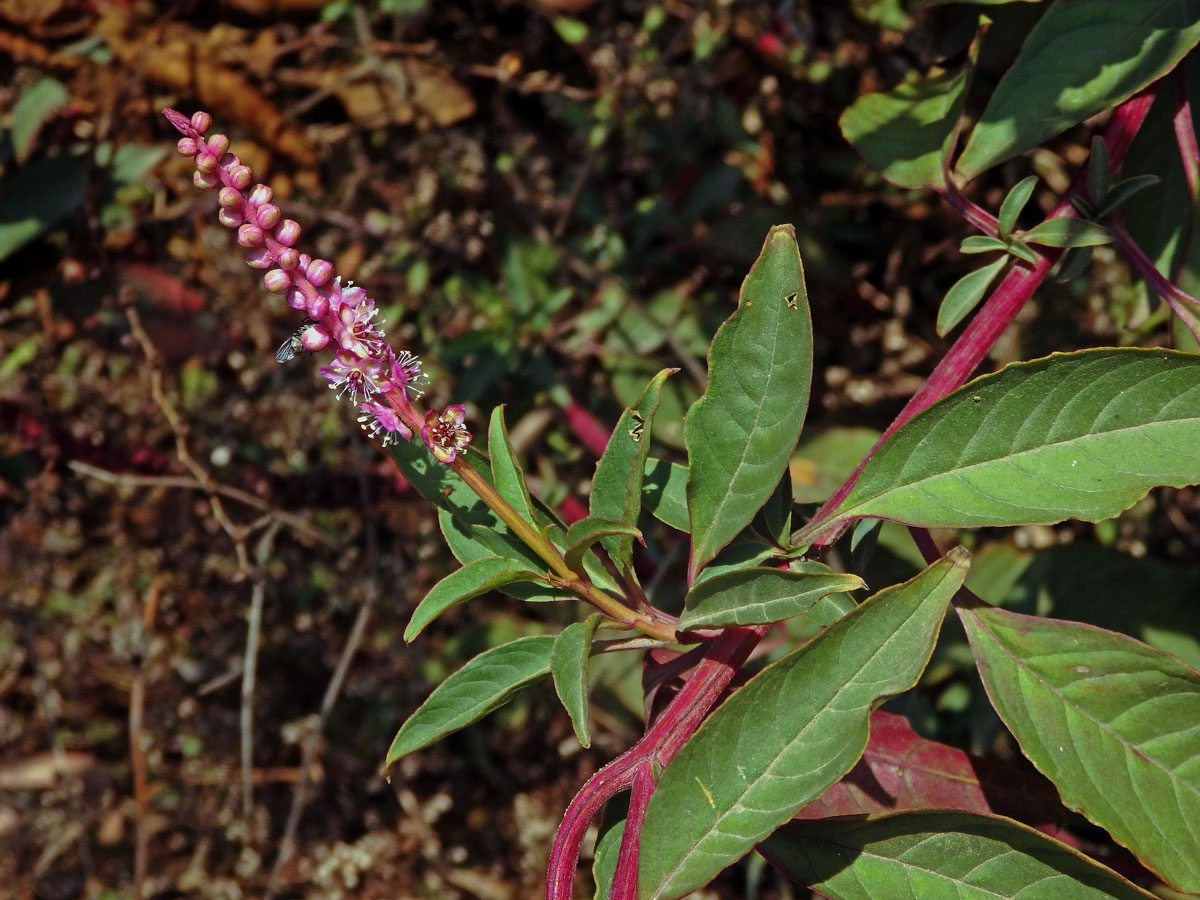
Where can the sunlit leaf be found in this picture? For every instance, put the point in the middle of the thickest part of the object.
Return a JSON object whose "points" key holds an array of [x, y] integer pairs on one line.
{"points": [[1011, 208], [742, 431], [1075, 435], [939, 854], [905, 133], [475, 578], [620, 473], [483, 684], [1067, 232], [1114, 47], [792, 731], [762, 595], [664, 493], [568, 667], [507, 476], [965, 295], [1114, 723]]}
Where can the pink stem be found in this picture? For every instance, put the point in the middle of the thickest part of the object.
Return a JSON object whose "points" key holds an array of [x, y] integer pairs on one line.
{"points": [[1182, 303], [656, 747], [1002, 306], [1185, 134], [624, 885]]}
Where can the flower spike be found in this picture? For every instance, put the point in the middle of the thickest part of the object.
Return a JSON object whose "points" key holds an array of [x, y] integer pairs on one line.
{"points": [[379, 380]]}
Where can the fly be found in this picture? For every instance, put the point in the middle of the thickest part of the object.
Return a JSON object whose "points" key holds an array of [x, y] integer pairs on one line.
{"points": [[293, 346]]}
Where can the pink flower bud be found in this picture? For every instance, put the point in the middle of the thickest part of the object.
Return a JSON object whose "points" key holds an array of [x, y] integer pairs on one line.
{"points": [[181, 122], [206, 162], [319, 272], [277, 281], [314, 338], [260, 258], [229, 197], [186, 146], [250, 235], [230, 218], [260, 196], [295, 298], [217, 145], [268, 216], [288, 233], [201, 121], [206, 181], [289, 259], [239, 177], [318, 307]]}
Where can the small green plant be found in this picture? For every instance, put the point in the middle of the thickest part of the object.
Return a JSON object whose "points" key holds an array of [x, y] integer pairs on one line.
{"points": [[796, 760]]}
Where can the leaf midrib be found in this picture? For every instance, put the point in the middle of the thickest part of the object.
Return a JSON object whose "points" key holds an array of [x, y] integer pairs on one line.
{"points": [[1103, 727], [841, 689], [1018, 455]]}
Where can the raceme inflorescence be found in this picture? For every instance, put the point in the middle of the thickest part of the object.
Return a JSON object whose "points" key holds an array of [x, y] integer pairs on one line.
{"points": [[380, 381]]}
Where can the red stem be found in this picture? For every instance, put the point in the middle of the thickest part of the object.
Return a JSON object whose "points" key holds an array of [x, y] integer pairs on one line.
{"points": [[1185, 134], [1003, 305], [1182, 303], [656, 748]]}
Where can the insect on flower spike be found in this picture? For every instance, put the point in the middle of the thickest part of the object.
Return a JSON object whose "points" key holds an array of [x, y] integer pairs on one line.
{"points": [[380, 381]]}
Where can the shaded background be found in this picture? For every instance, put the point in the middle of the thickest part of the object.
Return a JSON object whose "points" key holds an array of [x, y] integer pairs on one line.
{"points": [[550, 200]]}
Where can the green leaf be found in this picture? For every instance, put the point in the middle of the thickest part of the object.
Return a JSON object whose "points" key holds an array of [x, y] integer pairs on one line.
{"points": [[792, 731], [568, 666], [1021, 250], [1123, 190], [620, 473], [982, 243], [664, 493], [36, 197], [470, 528], [475, 578], [965, 296], [507, 476], [774, 521], [1075, 435], [1011, 208], [742, 431], [1072, 263], [1099, 171], [760, 595], [907, 132], [37, 105], [825, 459], [582, 534], [485, 683], [1115, 725], [604, 864], [938, 854], [1067, 232], [1114, 48]]}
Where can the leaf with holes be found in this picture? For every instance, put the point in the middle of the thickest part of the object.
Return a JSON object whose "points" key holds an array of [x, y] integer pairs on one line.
{"points": [[620, 473], [741, 432]]}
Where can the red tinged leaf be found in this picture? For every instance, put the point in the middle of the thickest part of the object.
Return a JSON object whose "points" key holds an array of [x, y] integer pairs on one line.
{"points": [[901, 770]]}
